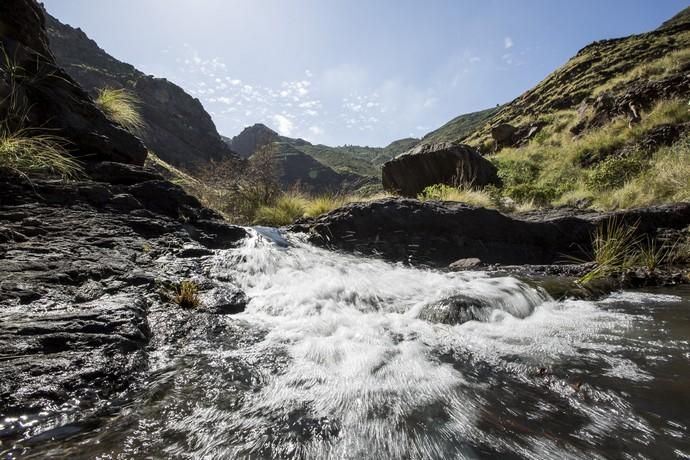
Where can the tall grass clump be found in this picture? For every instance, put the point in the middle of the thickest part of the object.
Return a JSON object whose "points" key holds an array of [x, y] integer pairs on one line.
{"points": [[187, 294], [27, 151], [123, 107], [614, 246], [442, 192], [286, 209], [323, 204]]}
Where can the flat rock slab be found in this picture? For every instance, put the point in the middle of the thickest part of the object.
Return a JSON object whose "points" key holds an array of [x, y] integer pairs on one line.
{"points": [[439, 233]]}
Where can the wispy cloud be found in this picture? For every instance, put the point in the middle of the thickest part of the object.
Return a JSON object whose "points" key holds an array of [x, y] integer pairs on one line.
{"points": [[283, 124], [508, 43]]}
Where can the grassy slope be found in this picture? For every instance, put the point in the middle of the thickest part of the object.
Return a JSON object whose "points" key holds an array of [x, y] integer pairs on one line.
{"points": [[585, 75], [552, 167], [460, 127]]}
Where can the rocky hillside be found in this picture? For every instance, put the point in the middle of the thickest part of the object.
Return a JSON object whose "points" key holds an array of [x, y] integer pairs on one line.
{"points": [[460, 127], [608, 129], [177, 128], [606, 69]]}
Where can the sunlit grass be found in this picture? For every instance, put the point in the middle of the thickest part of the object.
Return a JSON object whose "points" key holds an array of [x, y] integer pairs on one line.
{"points": [[613, 249], [121, 106], [187, 294], [441, 192], [28, 151]]}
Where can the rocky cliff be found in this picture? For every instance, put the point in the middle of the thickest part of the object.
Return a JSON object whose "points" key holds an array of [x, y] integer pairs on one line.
{"points": [[38, 93], [178, 129]]}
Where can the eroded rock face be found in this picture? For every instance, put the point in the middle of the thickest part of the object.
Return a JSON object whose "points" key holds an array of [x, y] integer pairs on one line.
{"points": [[445, 163], [48, 97], [178, 129], [83, 268], [438, 234]]}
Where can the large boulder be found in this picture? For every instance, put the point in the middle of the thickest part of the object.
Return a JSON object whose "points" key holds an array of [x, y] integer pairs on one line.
{"points": [[44, 95], [503, 134], [446, 163]]}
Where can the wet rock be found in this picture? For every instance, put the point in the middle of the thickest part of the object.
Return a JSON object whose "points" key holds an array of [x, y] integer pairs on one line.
{"points": [[465, 264], [457, 310], [194, 251], [90, 290], [429, 164], [438, 234], [226, 301]]}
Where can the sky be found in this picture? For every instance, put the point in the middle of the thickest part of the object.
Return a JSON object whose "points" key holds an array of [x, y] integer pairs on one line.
{"points": [[363, 72]]}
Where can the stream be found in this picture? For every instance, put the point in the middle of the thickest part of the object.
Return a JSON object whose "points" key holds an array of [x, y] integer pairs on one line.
{"points": [[330, 361]]}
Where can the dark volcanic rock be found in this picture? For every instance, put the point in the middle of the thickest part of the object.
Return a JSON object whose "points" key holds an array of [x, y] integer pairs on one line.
{"points": [[457, 310], [77, 286], [51, 98], [447, 163], [178, 129], [439, 233]]}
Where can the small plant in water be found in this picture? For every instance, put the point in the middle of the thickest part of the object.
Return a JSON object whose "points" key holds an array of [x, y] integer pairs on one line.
{"points": [[652, 254], [187, 294], [613, 247]]}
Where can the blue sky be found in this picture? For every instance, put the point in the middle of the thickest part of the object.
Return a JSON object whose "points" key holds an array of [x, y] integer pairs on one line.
{"points": [[353, 72]]}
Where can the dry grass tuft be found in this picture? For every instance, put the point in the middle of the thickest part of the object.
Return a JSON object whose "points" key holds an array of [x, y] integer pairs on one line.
{"points": [[122, 107]]}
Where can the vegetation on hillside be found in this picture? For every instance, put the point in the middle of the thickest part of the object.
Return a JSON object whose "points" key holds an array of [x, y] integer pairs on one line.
{"points": [[122, 107], [248, 192], [606, 167], [460, 127]]}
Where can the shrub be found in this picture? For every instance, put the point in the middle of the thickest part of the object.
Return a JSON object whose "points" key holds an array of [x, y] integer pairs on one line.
{"points": [[651, 254], [666, 179], [122, 107], [187, 294], [614, 172], [25, 151]]}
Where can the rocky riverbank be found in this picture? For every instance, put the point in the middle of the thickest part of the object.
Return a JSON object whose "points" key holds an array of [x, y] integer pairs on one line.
{"points": [[85, 267]]}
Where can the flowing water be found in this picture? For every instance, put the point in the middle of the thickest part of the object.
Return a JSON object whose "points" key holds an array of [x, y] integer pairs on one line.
{"points": [[329, 360]]}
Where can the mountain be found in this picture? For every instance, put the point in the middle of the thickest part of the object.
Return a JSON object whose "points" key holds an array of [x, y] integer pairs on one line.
{"points": [[252, 138], [298, 167], [178, 129], [346, 159]]}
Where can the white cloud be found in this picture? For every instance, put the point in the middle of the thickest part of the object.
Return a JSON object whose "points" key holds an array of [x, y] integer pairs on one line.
{"points": [[283, 124], [315, 130], [508, 42]]}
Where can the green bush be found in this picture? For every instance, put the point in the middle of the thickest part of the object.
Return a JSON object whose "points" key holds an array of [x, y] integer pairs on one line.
{"points": [[540, 195], [614, 172]]}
